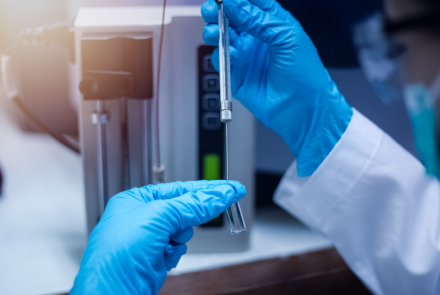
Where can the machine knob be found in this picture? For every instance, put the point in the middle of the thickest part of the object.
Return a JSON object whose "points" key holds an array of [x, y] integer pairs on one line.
{"points": [[88, 86]]}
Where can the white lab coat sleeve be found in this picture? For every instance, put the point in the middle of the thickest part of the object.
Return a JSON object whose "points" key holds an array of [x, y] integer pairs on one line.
{"points": [[377, 205]]}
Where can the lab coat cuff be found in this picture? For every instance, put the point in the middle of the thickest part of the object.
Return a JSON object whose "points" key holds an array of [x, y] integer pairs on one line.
{"points": [[312, 198]]}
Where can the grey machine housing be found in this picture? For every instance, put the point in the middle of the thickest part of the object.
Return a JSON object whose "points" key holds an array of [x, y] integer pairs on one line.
{"points": [[117, 55]]}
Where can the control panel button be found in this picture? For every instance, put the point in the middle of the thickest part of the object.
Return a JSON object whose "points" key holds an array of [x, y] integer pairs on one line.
{"points": [[211, 121], [207, 64], [211, 83], [211, 102]]}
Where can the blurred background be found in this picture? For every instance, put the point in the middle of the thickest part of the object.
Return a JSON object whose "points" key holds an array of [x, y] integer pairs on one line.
{"points": [[328, 24], [30, 159]]}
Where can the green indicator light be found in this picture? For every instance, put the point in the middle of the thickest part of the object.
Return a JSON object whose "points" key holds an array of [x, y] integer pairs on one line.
{"points": [[211, 167], [211, 171]]}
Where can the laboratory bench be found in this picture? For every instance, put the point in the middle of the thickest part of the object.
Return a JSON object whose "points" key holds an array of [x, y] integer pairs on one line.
{"points": [[285, 257], [315, 273], [43, 235], [319, 272]]}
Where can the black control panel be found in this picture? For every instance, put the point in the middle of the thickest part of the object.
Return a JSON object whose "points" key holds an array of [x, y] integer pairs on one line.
{"points": [[211, 129]]}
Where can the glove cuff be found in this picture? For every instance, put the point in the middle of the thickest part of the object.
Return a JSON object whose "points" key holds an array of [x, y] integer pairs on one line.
{"points": [[327, 127]]}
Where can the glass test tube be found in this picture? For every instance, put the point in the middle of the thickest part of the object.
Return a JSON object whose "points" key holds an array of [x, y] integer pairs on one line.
{"points": [[234, 214]]}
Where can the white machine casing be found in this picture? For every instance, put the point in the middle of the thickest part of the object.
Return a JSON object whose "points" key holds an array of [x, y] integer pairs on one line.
{"points": [[179, 115]]}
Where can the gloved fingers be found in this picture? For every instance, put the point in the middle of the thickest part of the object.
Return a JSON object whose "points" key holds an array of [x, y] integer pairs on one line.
{"points": [[211, 35], [210, 12], [274, 8], [215, 57], [183, 236], [260, 24], [173, 253], [196, 208], [171, 190]]}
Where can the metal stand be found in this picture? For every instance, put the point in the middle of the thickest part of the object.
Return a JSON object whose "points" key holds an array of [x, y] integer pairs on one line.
{"points": [[125, 144], [100, 118], [147, 141]]}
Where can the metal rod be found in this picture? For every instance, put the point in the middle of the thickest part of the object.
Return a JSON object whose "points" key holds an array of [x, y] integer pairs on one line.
{"points": [[227, 152], [125, 144], [102, 157], [147, 134], [225, 68]]}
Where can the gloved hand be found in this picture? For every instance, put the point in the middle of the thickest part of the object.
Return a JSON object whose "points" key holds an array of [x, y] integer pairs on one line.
{"points": [[143, 232], [278, 75]]}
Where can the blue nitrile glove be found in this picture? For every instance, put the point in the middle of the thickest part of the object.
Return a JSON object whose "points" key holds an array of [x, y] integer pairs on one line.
{"points": [[278, 75], [143, 232]]}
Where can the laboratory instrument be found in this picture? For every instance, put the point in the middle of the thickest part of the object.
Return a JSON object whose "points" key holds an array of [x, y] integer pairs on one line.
{"points": [[117, 119], [234, 214]]}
